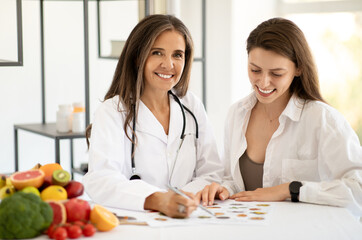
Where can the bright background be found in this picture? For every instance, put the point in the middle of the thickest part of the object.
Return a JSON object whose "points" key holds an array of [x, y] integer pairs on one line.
{"points": [[333, 29]]}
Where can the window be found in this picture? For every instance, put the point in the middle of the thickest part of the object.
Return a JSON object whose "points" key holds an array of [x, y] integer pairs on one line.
{"points": [[334, 32]]}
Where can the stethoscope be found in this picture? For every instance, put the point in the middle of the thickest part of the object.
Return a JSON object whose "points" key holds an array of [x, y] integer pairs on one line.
{"points": [[135, 176]]}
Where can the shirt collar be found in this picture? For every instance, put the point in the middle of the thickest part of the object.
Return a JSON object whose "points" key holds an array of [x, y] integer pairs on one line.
{"points": [[293, 110], [249, 102]]}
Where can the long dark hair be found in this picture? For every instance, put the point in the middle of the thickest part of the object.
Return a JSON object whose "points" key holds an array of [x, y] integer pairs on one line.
{"points": [[284, 37], [128, 82]]}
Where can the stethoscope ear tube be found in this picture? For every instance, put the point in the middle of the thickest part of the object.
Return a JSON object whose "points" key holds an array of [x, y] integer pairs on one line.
{"points": [[134, 175], [196, 123], [183, 108], [176, 156], [133, 133], [183, 113]]}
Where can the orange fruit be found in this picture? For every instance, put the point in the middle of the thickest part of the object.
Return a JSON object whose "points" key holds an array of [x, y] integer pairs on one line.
{"points": [[49, 168], [54, 192], [103, 219], [34, 178]]}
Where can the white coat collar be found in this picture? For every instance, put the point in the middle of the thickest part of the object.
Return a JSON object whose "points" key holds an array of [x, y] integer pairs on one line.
{"points": [[176, 120], [147, 122]]}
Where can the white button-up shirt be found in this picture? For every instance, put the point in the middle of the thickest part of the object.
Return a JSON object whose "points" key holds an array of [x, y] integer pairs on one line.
{"points": [[198, 163], [313, 144]]}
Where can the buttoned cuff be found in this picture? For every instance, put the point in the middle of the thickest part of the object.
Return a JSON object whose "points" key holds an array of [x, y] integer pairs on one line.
{"points": [[309, 192]]}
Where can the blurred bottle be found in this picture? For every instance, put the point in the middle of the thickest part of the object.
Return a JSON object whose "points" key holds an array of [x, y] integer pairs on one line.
{"points": [[78, 107], [78, 124], [64, 118]]}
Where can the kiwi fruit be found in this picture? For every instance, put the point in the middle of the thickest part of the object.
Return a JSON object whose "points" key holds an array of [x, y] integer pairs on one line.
{"points": [[60, 177]]}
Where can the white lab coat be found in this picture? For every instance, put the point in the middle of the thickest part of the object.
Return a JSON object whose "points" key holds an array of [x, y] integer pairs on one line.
{"points": [[107, 181], [313, 144]]}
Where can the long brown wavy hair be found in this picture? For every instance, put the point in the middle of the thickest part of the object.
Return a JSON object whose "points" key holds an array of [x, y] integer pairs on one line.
{"points": [[128, 79], [284, 37]]}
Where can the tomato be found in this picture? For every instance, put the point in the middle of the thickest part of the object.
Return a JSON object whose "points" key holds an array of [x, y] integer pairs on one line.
{"points": [[50, 230], [79, 223], [66, 226], [89, 230], [60, 233], [74, 231]]}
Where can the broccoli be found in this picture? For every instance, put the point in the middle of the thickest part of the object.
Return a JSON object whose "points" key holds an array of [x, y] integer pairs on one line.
{"points": [[24, 215]]}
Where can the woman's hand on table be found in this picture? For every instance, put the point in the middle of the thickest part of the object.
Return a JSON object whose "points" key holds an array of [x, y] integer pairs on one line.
{"points": [[172, 204], [276, 193], [212, 192]]}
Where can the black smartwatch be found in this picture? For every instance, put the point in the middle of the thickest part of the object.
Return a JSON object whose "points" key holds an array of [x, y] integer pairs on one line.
{"points": [[294, 188]]}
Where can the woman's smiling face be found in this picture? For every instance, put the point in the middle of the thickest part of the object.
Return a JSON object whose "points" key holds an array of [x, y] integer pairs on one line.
{"points": [[270, 74], [165, 63]]}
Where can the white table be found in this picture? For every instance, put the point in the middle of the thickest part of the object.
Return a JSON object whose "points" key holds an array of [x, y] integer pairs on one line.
{"points": [[290, 221]]}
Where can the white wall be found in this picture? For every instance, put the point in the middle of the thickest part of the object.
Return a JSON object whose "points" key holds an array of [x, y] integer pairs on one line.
{"points": [[20, 90], [246, 16], [219, 64], [228, 24]]}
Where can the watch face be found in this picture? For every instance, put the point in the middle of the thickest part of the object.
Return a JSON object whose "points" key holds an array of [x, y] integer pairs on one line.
{"points": [[294, 187], [294, 190]]}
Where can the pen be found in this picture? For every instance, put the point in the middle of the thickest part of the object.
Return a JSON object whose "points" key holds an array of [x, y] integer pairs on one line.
{"points": [[175, 190]]}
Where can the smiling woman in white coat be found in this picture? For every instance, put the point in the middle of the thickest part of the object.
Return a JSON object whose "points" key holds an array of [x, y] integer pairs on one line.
{"points": [[283, 141], [150, 132]]}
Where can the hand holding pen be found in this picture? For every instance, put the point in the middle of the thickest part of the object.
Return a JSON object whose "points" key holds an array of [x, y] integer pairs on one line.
{"points": [[181, 207], [172, 204]]}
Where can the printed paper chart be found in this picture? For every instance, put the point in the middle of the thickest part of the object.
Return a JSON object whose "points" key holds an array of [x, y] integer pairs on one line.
{"points": [[226, 212]]}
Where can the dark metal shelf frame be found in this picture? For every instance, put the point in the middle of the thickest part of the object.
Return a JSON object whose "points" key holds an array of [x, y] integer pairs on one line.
{"points": [[19, 26]]}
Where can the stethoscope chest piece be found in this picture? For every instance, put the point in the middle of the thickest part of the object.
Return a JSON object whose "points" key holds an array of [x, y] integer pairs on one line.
{"points": [[135, 177]]}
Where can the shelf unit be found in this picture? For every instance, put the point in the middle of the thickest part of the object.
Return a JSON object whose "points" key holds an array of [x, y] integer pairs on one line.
{"points": [[49, 129]]}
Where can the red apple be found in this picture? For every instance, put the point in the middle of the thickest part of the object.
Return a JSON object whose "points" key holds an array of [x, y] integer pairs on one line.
{"points": [[74, 189], [77, 210], [47, 182]]}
